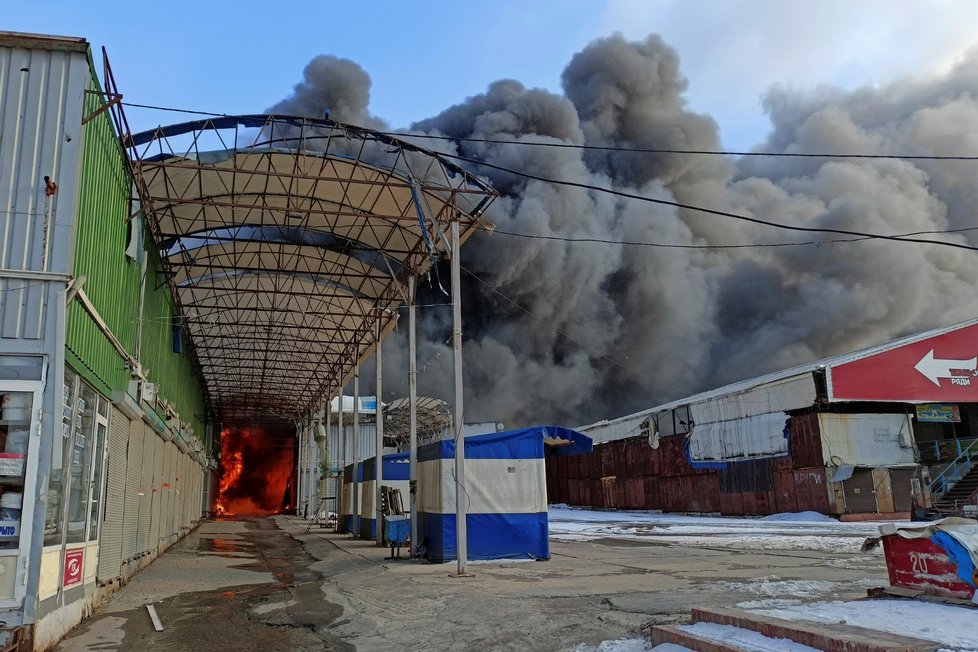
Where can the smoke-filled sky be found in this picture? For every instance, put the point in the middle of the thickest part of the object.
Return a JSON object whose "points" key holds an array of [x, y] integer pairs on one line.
{"points": [[570, 332], [618, 328]]}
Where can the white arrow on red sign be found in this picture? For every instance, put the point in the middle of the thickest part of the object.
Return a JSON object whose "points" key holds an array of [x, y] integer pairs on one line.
{"points": [[935, 368]]}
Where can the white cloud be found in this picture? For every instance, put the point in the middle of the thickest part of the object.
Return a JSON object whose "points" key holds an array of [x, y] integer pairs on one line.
{"points": [[732, 52]]}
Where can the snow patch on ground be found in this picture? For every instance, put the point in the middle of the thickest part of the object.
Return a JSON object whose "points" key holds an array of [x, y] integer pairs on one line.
{"points": [[803, 531], [624, 645], [772, 587], [954, 627], [800, 517], [744, 639], [768, 604]]}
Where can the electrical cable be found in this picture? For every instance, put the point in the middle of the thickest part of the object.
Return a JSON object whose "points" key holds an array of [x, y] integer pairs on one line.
{"points": [[612, 148], [708, 211], [667, 245]]}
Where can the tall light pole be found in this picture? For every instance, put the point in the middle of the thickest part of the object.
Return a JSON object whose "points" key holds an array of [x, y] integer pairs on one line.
{"points": [[379, 459], [461, 537], [413, 408]]}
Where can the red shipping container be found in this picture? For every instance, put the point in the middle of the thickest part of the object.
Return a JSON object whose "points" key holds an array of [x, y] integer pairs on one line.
{"points": [[922, 565], [758, 503], [573, 496], [597, 494], [584, 486], [731, 504], [607, 460], [785, 491], [634, 493], [653, 493], [812, 490], [805, 441], [672, 497]]}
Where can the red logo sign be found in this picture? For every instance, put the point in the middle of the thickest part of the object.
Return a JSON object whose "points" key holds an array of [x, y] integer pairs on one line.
{"points": [[74, 563], [937, 369]]}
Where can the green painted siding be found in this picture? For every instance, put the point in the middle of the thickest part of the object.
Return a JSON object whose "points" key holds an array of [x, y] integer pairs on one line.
{"points": [[173, 372], [112, 279], [113, 282]]}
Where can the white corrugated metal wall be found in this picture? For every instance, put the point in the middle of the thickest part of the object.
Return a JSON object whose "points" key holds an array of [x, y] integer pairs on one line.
{"points": [[134, 474], [153, 495], [110, 543], [145, 491], [156, 495]]}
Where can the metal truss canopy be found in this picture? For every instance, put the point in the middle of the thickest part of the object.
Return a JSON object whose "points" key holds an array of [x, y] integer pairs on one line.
{"points": [[285, 240]]}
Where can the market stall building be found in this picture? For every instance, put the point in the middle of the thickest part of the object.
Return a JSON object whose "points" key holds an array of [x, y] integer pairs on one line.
{"points": [[883, 431]]}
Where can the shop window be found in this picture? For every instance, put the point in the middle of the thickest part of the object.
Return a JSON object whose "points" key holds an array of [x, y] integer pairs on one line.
{"points": [[98, 470], [80, 456], [15, 429], [56, 483], [74, 490]]}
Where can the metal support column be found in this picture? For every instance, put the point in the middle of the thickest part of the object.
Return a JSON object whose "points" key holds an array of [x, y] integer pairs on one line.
{"points": [[341, 432], [379, 459], [357, 444], [413, 403], [461, 533]]}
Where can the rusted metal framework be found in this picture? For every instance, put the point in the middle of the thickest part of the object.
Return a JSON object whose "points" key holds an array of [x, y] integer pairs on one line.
{"points": [[286, 239], [434, 421]]}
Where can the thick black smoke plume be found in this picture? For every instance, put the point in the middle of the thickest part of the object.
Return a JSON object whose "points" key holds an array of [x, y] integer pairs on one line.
{"points": [[605, 329]]}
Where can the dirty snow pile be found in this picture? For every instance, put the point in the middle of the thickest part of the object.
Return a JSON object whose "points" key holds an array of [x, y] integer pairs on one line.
{"points": [[953, 627], [801, 531]]}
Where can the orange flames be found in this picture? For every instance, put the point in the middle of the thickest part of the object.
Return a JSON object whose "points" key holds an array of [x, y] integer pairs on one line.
{"points": [[256, 472]]}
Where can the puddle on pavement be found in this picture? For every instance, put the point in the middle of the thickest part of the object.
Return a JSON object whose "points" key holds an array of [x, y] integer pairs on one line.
{"points": [[231, 548]]}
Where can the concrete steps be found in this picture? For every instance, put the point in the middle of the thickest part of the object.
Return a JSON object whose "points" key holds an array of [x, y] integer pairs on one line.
{"points": [[833, 638], [962, 491]]}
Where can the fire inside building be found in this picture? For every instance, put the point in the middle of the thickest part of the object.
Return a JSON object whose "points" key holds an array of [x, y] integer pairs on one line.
{"points": [[257, 467], [886, 431]]}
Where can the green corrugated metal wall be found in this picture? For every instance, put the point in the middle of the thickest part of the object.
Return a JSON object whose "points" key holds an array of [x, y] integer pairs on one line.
{"points": [[172, 371], [113, 282], [100, 241]]}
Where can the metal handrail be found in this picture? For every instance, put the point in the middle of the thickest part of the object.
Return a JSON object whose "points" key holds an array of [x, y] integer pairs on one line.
{"points": [[959, 467], [936, 452]]}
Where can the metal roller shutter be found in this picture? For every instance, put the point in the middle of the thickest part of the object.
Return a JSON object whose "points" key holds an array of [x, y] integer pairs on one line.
{"points": [[164, 492], [171, 493], [182, 484], [860, 492], [900, 484], [134, 474], [110, 543], [145, 490], [156, 494]]}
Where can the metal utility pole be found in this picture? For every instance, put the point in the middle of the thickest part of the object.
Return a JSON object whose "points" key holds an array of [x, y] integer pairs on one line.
{"points": [[342, 453], [461, 535], [379, 460], [357, 443], [413, 405]]}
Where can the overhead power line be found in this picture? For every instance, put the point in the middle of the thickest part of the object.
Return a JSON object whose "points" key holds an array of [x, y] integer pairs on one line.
{"points": [[657, 150], [669, 245], [708, 211], [909, 238], [613, 148]]}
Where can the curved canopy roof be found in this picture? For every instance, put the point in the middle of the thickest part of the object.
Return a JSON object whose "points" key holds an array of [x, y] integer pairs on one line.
{"points": [[288, 243]]}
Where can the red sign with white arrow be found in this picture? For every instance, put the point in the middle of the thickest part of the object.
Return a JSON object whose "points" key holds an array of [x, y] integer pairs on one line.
{"points": [[943, 368]]}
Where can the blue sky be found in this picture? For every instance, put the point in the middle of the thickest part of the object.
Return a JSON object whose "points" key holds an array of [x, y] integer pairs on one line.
{"points": [[423, 56]]}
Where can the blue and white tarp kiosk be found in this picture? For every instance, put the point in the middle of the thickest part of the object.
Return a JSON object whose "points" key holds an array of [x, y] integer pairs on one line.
{"points": [[345, 522], [397, 475], [506, 490]]}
